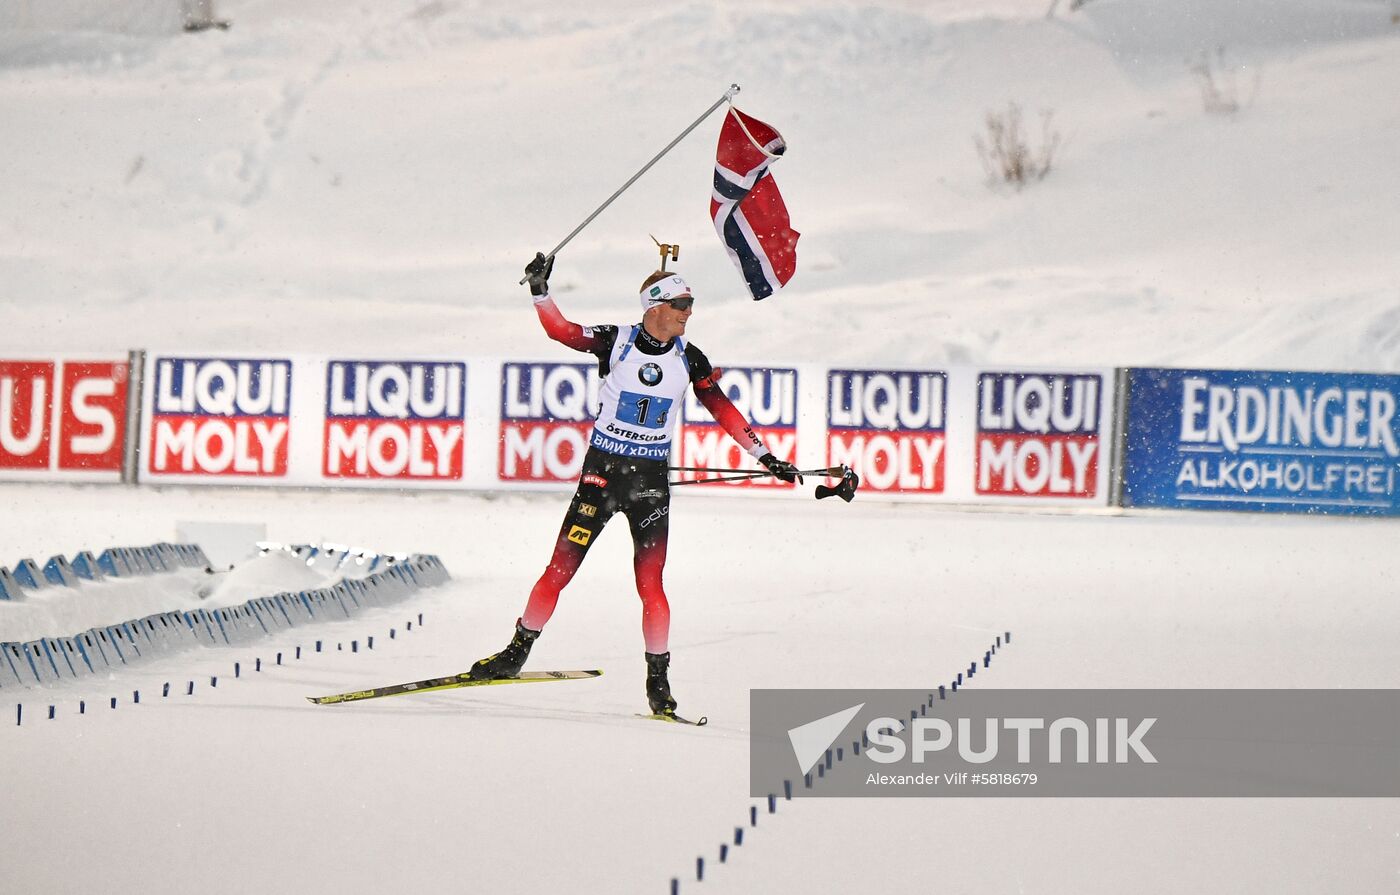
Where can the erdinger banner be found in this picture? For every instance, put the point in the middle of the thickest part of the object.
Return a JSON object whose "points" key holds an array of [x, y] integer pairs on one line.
{"points": [[400, 420], [547, 411], [768, 399], [1263, 441], [218, 416], [63, 418], [890, 427], [1041, 435]]}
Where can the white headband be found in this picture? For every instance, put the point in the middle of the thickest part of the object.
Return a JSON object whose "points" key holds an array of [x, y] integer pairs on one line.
{"points": [[662, 291]]}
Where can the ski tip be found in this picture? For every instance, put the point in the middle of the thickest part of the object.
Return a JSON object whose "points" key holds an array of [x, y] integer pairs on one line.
{"points": [[675, 719]]}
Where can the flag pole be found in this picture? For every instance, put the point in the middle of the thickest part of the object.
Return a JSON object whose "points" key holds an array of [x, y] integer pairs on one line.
{"points": [[728, 96]]}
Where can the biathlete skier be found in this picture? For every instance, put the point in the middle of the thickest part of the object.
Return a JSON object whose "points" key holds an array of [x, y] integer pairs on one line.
{"points": [[646, 369]]}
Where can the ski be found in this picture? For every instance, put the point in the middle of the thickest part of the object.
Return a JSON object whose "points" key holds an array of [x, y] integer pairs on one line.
{"points": [[453, 682], [676, 719]]}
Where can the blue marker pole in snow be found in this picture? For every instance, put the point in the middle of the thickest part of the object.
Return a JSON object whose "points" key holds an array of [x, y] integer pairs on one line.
{"points": [[723, 852], [772, 804], [700, 868], [787, 790]]}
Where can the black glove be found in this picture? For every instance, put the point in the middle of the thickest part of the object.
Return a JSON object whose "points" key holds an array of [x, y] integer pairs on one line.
{"points": [[537, 273], [780, 468]]}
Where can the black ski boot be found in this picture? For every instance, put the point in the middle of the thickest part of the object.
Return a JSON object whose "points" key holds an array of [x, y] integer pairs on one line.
{"points": [[508, 662], [658, 688]]}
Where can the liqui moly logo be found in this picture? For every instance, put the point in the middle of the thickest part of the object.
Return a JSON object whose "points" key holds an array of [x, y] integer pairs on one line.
{"points": [[1038, 434], [767, 397], [547, 411], [220, 416], [68, 415], [889, 427], [394, 420]]}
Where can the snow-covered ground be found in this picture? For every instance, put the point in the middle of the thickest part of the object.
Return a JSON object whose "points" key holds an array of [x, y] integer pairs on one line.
{"points": [[246, 787], [373, 177]]}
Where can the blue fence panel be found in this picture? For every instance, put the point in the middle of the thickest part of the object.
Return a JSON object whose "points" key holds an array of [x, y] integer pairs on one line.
{"points": [[42, 667], [94, 645], [9, 587], [9, 672], [86, 566], [27, 574], [77, 658], [58, 571], [1263, 441]]}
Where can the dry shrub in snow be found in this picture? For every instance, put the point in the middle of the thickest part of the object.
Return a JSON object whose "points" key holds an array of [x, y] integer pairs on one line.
{"points": [[1005, 152]]}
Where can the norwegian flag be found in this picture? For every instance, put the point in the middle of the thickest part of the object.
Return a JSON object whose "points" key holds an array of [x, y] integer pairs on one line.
{"points": [[746, 207]]}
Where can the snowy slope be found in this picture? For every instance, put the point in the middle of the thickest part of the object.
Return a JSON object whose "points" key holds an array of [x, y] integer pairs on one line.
{"points": [[373, 177], [326, 177], [557, 788]]}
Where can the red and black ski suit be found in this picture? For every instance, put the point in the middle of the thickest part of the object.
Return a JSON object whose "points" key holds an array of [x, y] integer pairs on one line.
{"points": [[613, 482]]}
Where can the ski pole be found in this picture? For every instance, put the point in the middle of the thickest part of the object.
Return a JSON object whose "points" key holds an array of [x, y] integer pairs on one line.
{"points": [[727, 478], [831, 472], [728, 95]]}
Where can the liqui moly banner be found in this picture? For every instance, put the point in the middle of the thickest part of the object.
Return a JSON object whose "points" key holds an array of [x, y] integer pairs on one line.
{"points": [[768, 399], [1041, 435], [890, 426], [218, 417], [547, 411], [63, 419], [399, 420], [1263, 441]]}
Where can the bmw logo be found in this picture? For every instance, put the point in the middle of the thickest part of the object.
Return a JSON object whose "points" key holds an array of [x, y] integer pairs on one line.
{"points": [[650, 374]]}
